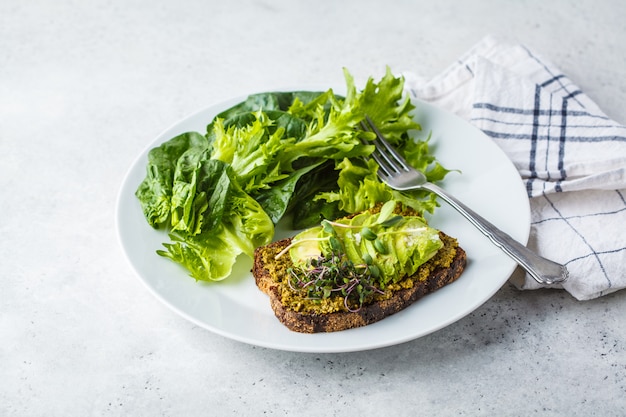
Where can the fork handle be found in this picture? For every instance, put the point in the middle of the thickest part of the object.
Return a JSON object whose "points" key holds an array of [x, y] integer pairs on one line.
{"points": [[543, 270]]}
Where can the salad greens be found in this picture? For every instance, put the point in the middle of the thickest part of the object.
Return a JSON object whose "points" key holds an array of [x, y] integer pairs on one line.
{"points": [[219, 194]]}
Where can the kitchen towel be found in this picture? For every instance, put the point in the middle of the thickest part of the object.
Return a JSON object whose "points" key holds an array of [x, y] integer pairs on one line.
{"points": [[570, 156]]}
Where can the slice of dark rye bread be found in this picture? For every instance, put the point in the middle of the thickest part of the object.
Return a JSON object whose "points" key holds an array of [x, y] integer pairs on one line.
{"points": [[269, 274]]}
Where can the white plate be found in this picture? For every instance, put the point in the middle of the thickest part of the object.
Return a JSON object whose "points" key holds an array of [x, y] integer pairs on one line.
{"points": [[236, 309]]}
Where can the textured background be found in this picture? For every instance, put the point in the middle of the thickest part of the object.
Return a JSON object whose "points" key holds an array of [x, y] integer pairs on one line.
{"points": [[86, 86]]}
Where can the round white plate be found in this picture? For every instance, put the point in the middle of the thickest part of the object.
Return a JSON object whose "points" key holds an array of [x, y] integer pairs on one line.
{"points": [[235, 308]]}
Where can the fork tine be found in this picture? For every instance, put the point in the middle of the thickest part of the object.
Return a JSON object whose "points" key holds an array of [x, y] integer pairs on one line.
{"points": [[386, 169], [386, 156]]}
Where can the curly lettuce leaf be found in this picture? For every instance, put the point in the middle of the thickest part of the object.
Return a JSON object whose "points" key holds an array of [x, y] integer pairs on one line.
{"points": [[385, 104], [360, 189], [419, 155], [252, 151], [331, 134]]}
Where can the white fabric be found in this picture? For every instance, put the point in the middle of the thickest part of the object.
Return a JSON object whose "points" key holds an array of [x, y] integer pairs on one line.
{"points": [[570, 155]]}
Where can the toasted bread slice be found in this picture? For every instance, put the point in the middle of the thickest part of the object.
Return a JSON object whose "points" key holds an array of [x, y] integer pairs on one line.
{"points": [[271, 274]]}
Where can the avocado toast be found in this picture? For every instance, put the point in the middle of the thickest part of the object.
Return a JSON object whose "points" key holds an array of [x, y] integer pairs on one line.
{"points": [[356, 270]]}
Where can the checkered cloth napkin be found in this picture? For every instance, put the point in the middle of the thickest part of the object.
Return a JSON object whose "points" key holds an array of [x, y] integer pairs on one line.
{"points": [[570, 156]]}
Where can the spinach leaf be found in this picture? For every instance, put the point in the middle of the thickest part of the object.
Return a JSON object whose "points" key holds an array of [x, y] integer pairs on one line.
{"points": [[269, 101], [186, 208], [155, 191], [293, 127], [308, 212], [213, 181], [275, 200]]}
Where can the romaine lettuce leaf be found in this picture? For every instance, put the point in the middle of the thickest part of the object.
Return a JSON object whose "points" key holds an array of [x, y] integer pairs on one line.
{"points": [[244, 225], [207, 258]]}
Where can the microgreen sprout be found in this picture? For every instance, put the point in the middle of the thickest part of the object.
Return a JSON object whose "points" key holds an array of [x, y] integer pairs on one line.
{"points": [[335, 274]]}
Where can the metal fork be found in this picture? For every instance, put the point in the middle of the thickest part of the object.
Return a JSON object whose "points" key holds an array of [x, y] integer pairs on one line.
{"points": [[399, 175]]}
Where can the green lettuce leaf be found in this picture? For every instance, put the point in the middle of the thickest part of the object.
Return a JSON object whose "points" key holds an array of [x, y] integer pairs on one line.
{"points": [[385, 104], [187, 206], [156, 190], [243, 226], [252, 152], [360, 189], [220, 194], [276, 200], [418, 154], [206, 258], [308, 211], [269, 101]]}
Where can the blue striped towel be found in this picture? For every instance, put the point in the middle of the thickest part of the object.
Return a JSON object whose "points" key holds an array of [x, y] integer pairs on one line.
{"points": [[570, 156]]}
